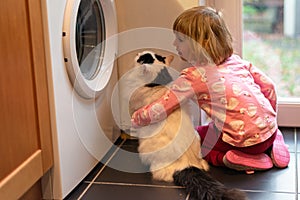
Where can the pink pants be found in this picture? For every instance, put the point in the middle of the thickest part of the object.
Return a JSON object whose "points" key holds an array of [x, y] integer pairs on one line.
{"points": [[213, 148]]}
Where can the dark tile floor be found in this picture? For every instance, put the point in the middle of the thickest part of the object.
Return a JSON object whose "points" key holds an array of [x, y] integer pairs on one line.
{"points": [[120, 175]]}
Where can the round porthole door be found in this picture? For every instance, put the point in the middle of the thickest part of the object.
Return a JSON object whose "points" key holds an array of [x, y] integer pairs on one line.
{"points": [[90, 44]]}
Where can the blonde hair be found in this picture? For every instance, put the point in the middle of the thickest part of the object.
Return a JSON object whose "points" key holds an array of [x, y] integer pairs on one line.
{"points": [[205, 26]]}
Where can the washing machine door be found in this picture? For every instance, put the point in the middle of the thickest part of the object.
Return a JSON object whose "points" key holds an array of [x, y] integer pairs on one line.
{"points": [[90, 44]]}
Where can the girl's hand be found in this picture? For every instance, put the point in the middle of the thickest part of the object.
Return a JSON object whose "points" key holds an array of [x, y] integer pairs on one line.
{"points": [[140, 118]]}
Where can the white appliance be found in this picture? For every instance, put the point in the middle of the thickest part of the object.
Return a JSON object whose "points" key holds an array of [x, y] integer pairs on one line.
{"points": [[83, 46]]}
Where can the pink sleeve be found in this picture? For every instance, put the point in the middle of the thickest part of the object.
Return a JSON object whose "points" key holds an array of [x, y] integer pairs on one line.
{"points": [[266, 84], [179, 91]]}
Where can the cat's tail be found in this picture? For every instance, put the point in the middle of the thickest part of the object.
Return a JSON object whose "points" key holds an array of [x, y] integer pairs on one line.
{"points": [[201, 186]]}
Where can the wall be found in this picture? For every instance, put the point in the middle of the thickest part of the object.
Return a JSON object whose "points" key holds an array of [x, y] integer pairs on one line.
{"points": [[133, 15]]}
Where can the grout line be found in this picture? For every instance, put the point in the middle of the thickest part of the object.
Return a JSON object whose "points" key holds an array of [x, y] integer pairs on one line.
{"points": [[101, 170], [138, 185], [296, 163], [267, 191]]}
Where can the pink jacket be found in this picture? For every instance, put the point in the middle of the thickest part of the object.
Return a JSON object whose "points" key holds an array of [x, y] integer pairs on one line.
{"points": [[238, 97]]}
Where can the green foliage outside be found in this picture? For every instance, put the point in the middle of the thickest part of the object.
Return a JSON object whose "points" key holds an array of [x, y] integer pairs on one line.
{"points": [[280, 59], [275, 54]]}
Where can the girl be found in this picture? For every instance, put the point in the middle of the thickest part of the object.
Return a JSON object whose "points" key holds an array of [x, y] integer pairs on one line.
{"points": [[239, 98]]}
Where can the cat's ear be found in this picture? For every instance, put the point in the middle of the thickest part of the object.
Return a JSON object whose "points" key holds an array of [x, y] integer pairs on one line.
{"points": [[169, 59]]}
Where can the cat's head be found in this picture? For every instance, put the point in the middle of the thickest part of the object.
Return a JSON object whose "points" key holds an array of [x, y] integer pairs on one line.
{"points": [[153, 67], [149, 57]]}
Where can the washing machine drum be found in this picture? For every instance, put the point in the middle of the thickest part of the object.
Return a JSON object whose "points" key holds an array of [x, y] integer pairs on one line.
{"points": [[90, 44]]}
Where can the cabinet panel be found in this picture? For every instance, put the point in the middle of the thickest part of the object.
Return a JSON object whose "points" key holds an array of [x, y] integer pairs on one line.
{"points": [[25, 129], [25, 175], [19, 127]]}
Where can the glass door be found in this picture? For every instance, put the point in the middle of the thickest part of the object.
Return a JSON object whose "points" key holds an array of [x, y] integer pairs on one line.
{"points": [[90, 36], [89, 45], [271, 40]]}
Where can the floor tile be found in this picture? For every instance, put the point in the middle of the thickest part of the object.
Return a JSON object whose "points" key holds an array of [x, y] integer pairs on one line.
{"points": [[127, 161], [289, 137], [118, 192], [104, 160], [126, 167], [271, 196], [75, 194], [94, 172], [115, 176], [274, 180]]}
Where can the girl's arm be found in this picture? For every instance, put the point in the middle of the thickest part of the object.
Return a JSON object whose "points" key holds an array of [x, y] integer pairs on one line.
{"points": [[178, 92], [266, 84]]}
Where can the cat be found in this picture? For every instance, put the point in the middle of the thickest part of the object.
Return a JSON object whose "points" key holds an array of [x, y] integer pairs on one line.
{"points": [[172, 147]]}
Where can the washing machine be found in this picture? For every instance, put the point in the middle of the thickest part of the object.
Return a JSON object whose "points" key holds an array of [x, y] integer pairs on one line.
{"points": [[82, 41]]}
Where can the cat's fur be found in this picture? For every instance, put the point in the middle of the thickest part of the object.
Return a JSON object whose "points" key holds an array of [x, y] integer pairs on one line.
{"points": [[172, 147]]}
